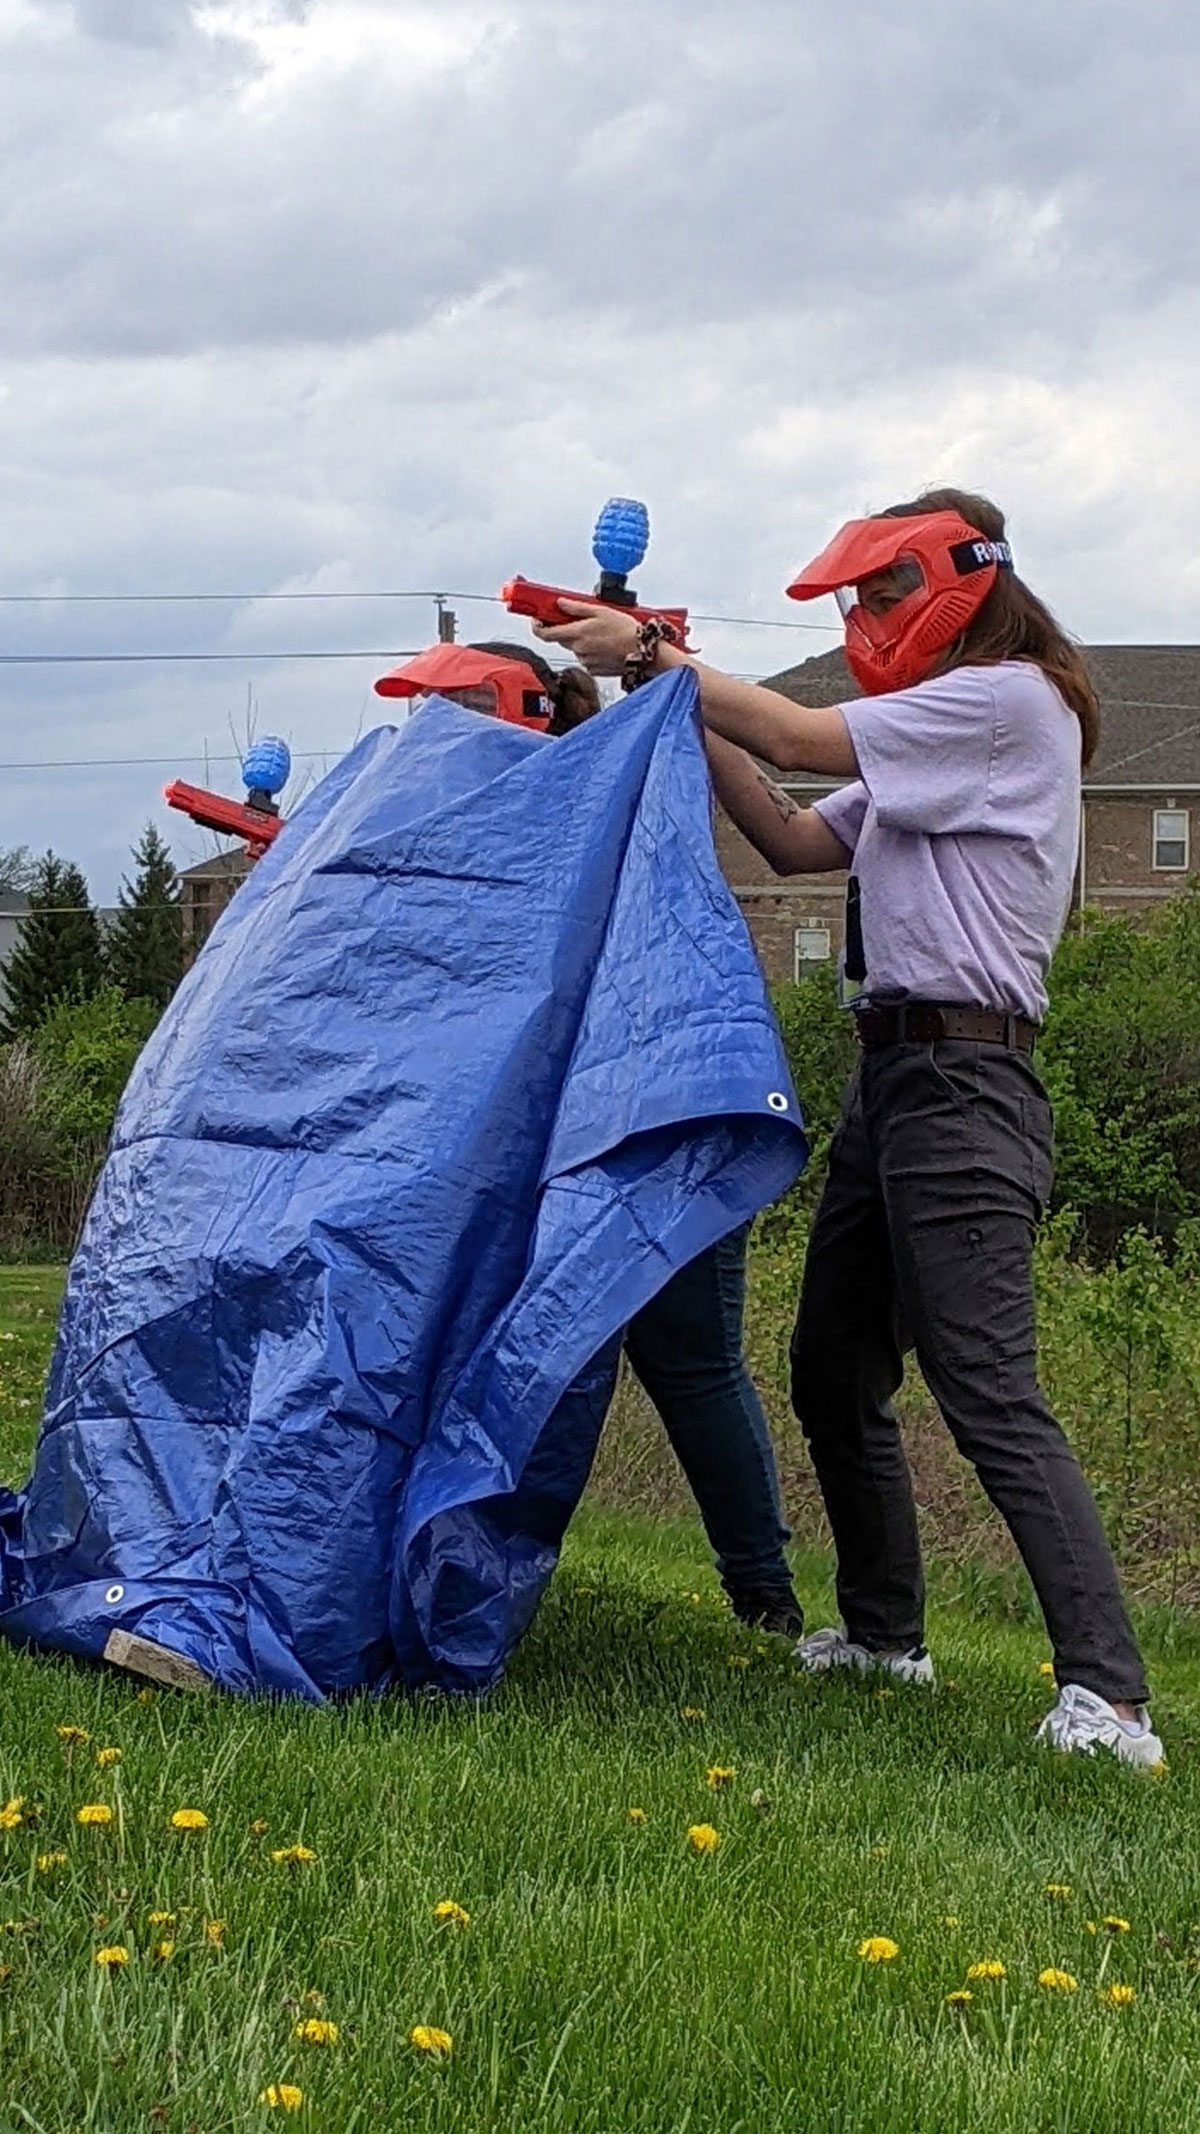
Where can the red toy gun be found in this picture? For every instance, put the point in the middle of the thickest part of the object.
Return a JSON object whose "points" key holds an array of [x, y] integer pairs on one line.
{"points": [[619, 543], [265, 771]]}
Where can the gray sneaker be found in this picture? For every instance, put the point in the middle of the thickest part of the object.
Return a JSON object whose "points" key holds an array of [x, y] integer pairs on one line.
{"points": [[830, 1648]]}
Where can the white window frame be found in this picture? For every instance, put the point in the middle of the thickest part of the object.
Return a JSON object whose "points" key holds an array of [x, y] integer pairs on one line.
{"points": [[815, 925], [1159, 838]]}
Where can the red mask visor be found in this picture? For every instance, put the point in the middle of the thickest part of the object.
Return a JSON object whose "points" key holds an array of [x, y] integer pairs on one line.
{"points": [[481, 681], [939, 570]]}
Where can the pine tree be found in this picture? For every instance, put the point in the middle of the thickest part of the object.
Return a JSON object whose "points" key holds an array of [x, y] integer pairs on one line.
{"points": [[144, 949], [58, 950]]}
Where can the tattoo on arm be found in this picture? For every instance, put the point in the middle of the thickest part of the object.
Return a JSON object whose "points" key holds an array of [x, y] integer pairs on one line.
{"points": [[779, 800]]}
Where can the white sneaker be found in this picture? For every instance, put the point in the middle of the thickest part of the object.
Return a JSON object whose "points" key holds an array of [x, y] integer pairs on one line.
{"points": [[1081, 1722], [832, 1648]]}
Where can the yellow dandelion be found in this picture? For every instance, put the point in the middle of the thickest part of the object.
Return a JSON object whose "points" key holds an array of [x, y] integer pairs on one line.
{"points": [[449, 1914], [215, 1931], [1062, 1890], [145, 1697], [693, 1711], [1090, 1927], [105, 1757], [703, 1838], [1117, 1996], [1159, 1770], [1117, 1926], [951, 1921], [437, 2043], [1058, 1981], [1047, 1669], [878, 1949], [164, 1951], [739, 1659], [293, 1855], [991, 1967], [282, 2096], [719, 1776], [257, 1828], [189, 1819], [96, 1814], [111, 1959], [11, 1817], [73, 1737], [46, 1862], [960, 1998], [635, 1815], [314, 2031], [161, 1919]]}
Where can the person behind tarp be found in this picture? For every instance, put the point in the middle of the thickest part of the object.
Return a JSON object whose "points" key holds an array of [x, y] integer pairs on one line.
{"points": [[686, 1345], [961, 828]]}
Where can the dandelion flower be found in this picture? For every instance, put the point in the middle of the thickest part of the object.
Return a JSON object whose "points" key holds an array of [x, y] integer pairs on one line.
{"points": [[991, 1967], [1090, 1927], [960, 1998], [46, 1862], [703, 1838], [11, 1817], [161, 1919], [145, 1697], [163, 1951], [635, 1815], [720, 1776], [105, 1757], [293, 1855], [257, 1828], [1117, 1996], [739, 1659], [877, 1949], [73, 1737], [282, 2096], [449, 1914], [112, 1958], [437, 2043], [214, 1933], [1117, 1926], [692, 1711], [950, 1921], [1058, 1981], [1062, 1890], [315, 2031], [96, 1813], [189, 1819], [1047, 1669]]}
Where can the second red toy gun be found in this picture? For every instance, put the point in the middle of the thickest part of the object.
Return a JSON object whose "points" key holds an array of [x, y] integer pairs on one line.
{"points": [[619, 543], [266, 771]]}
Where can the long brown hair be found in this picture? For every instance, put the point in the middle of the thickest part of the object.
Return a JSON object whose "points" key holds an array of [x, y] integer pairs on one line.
{"points": [[1012, 622], [571, 690]]}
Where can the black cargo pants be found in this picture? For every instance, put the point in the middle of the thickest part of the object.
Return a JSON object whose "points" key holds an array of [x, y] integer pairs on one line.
{"points": [[938, 1171]]}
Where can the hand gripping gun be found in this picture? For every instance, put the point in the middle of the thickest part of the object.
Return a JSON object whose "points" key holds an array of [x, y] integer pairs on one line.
{"points": [[619, 543]]}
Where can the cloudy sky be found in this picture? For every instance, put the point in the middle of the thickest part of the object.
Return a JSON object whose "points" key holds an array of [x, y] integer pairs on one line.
{"points": [[329, 296]]}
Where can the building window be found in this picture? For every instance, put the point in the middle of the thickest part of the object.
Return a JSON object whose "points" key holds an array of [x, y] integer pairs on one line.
{"points": [[1170, 837], [811, 943]]}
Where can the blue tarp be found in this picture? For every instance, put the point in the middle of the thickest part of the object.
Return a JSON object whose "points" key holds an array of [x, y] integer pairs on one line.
{"points": [[478, 1057]]}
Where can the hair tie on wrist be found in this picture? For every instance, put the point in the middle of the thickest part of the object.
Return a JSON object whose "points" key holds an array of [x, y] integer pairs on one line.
{"points": [[639, 666]]}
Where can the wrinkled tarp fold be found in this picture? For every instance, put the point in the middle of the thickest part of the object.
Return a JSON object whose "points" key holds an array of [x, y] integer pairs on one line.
{"points": [[475, 1060]]}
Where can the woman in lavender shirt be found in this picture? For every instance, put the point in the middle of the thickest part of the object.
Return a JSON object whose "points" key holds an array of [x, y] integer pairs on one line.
{"points": [[960, 829]]}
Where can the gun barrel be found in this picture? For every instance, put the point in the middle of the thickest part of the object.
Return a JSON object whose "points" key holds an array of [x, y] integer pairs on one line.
{"points": [[231, 818]]}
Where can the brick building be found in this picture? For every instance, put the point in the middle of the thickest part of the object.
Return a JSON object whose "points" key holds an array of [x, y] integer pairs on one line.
{"points": [[1141, 796], [205, 890]]}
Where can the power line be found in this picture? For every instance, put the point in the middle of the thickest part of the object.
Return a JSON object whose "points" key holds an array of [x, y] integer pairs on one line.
{"points": [[744, 622], [156, 659]]}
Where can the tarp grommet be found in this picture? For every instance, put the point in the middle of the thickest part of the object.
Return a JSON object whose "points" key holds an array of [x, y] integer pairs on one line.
{"points": [[114, 1594], [777, 1100]]}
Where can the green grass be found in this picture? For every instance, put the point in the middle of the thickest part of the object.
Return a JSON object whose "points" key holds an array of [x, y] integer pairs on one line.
{"points": [[609, 1979]]}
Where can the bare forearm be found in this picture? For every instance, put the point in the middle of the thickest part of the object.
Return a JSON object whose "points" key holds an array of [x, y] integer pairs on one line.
{"points": [[793, 737], [792, 839]]}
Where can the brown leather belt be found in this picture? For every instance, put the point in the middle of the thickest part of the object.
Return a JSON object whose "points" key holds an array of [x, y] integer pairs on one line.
{"points": [[923, 1022]]}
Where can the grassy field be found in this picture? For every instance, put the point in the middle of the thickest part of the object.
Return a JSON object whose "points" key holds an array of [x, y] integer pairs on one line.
{"points": [[610, 1976]]}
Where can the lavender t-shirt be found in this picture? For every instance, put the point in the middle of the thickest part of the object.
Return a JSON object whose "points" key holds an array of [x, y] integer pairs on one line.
{"points": [[963, 831]]}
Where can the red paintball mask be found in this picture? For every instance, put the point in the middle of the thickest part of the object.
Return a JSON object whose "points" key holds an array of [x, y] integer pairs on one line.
{"points": [[481, 681], [941, 572]]}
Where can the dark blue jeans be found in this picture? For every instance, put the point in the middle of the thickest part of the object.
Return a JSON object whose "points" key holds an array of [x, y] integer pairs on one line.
{"points": [[686, 1348]]}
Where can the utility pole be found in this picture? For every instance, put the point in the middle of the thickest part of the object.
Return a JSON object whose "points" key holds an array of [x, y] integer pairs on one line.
{"points": [[447, 620]]}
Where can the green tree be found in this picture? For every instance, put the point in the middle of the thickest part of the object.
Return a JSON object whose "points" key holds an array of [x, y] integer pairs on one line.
{"points": [[144, 949], [58, 954]]}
